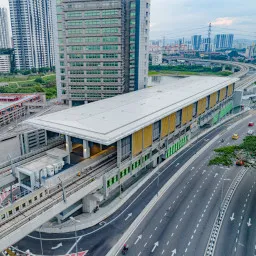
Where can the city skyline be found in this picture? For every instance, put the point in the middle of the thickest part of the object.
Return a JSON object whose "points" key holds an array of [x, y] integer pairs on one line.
{"points": [[170, 20]]}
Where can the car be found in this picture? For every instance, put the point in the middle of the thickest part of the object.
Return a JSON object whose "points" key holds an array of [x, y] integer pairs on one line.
{"points": [[251, 124], [239, 162], [250, 132], [235, 136]]}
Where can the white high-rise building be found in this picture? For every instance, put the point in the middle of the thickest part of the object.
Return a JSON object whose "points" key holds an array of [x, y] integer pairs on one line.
{"points": [[5, 41], [102, 48], [32, 32]]}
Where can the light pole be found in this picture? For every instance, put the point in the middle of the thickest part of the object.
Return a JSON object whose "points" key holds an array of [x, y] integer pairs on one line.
{"points": [[63, 191], [76, 221], [9, 156], [41, 242]]}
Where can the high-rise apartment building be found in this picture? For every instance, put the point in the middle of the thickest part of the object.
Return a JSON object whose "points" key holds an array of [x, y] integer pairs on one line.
{"points": [[5, 41], [196, 41], [102, 48], [223, 41], [32, 32]]}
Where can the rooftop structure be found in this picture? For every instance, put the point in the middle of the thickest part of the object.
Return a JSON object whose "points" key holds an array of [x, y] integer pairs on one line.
{"points": [[109, 120]]}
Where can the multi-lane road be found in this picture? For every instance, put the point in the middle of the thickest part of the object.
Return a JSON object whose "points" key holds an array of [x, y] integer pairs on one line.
{"points": [[181, 221]]}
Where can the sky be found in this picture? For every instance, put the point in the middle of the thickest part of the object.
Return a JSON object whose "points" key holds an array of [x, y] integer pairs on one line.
{"points": [[182, 18]]}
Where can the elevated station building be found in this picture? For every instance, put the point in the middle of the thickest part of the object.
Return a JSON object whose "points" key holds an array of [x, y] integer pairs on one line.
{"points": [[144, 127]]}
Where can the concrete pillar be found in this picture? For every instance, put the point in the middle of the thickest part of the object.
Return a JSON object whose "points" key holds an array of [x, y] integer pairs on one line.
{"points": [[233, 69], [119, 153], [68, 147], [223, 67], [89, 203], [85, 102], [105, 187], [70, 103], [86, 149]]}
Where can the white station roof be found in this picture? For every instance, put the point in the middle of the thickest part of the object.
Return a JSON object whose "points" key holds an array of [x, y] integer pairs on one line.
{"points": [[106, 121]]}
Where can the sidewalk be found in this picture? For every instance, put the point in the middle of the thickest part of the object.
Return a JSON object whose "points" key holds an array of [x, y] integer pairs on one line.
{"points": [[90, 219]]}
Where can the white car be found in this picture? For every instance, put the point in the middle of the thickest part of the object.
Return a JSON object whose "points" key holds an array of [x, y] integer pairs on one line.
{"points": [[250, 132]]}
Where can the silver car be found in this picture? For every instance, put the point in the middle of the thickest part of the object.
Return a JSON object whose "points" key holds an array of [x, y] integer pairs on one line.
{"points": [[250, 132]]}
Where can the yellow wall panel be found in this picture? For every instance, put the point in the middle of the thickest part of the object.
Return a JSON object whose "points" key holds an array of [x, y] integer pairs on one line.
{"points": [[213, 99], [222, 94], [172, 122], [190, 113], [184, 115], [164, 126], [230, 89], [148, 133], [137, 142]]}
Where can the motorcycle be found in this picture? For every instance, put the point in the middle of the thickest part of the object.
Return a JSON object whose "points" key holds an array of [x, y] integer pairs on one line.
{"points": [[96, 209], [124, 251]]}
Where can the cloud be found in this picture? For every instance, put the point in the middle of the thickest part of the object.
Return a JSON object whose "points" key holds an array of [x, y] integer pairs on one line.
{"points": [[225, 21]]}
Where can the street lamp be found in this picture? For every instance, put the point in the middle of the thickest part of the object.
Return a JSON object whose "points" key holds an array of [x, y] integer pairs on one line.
{"points": [[11, 197], [41, 242], [76, 221]]}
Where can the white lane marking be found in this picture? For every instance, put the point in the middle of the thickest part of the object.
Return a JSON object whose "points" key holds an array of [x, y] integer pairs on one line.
{"points": [[145, 244], [155, 228], [180, 219], [186, 250], [161, 220], [150, 236], [167, 243], [192, 237], [177, 226], [194, 231], [184, 212], [163, 252], [139, 254], [172, 234], [189, 243], [200, 220]]}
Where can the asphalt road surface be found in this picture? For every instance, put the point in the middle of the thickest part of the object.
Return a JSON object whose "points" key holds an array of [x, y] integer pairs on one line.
{"points": [[182, 219]]}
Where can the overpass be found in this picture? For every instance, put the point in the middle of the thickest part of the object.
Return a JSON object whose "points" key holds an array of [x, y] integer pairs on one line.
{"points": [[244, 68]]}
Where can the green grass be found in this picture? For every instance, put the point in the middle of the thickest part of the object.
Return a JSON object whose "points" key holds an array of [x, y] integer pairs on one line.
{"points": [[29, 85], [227, 155]]}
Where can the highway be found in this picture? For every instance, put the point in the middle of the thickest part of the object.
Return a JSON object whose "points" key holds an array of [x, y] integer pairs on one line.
{"points": [[196, 193], [181, 222], [239, 222]]}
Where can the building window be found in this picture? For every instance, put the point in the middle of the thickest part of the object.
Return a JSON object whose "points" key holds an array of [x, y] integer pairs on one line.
{"points": [[74, 14], [110, 47], [207, 102], [125, 147], [156, 130], [178, 118], [109, 12], [195, 109], [92, 47], [110, 80]]}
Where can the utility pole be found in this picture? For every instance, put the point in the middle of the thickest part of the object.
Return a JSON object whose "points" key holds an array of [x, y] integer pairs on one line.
{"points": [[209, 37]]}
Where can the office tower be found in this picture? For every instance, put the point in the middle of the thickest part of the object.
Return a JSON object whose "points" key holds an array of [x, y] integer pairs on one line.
{"points": [[223, 41], [5, 41], [102, 48], [32, 32], [196, 42]]}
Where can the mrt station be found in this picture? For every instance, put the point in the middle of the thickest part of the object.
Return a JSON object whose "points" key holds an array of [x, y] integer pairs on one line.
{"points": [[130, 134]]}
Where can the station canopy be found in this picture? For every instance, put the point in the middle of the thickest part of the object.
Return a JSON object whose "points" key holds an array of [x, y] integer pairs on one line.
{"points": [[109, 120]]}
